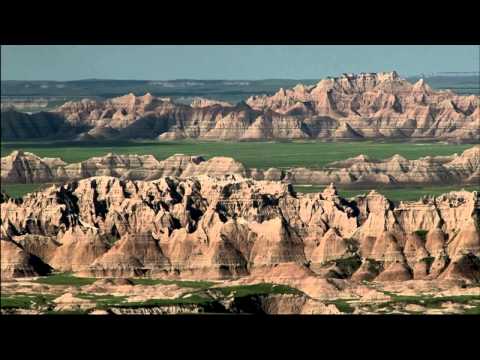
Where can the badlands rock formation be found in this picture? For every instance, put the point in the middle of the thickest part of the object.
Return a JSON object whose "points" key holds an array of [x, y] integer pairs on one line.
{"points": [[230, 228], [16, 262], [348, 107], [361, 170], [202, 102], [25, 167], [377, 105]]}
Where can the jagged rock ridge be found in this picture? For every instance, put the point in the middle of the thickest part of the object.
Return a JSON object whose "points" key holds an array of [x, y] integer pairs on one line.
{"points": [[349, 107], [230, 227]]}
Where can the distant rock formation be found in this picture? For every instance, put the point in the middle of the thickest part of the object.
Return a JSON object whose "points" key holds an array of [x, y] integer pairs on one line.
{"points": [[396, 170], [348, 107], [231, 227], [199, 102], [25, 167]]}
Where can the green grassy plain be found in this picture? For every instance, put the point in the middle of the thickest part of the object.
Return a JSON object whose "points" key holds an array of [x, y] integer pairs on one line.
{"points": [[19, 190], [65, 279], [25, 301], [257, 289], [311, 154]]}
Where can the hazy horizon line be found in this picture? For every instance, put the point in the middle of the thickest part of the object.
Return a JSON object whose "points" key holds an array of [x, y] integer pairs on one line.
{"points": [[449, 74]]}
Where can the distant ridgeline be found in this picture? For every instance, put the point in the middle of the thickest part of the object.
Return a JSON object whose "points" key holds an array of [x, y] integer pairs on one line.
{"points": [[363, 106], [227, 90]]}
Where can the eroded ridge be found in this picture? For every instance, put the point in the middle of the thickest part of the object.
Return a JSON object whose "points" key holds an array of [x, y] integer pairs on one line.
{"points": [[232, 228]]}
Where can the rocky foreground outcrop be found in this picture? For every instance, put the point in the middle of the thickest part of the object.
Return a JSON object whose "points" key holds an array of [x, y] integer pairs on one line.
{"points": [[231, 228], [348, 107], [25, 167]]}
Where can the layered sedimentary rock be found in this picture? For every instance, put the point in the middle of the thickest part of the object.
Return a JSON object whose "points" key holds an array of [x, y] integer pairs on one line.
{"points": [[361, 170], [16, 262], [348, 107], [377, 105], [25, 167], [232, 227], [202, 102]]}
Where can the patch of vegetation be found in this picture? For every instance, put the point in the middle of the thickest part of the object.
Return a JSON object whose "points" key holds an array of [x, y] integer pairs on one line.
{"points": [[103, 297], [180, 283], [473, 311], [422, 234], [349, 265], [344, 267], [65, 279], [103, 301], [25, 301], [374, 266], [342, 305], [257, 289], [428, 260], [194, 299], [475, 260], [19, 190], [199, 297], [431, 302], [111, 239], [352, 245], [16, 302]]}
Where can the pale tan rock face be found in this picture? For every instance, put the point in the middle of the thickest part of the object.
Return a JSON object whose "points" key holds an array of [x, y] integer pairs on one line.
{"points": [[396, 271], [69, 301], [332, 246], [129, 256], [435, 243], [465, 241], [416, 254], [199, 102], [231, 227], [25, 167], [427, 170], [41, 246], [79, 248], [295, 304], [16, 262]]}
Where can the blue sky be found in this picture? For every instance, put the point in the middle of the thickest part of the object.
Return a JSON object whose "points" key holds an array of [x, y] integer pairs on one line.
{"points": [[161, 62]]}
